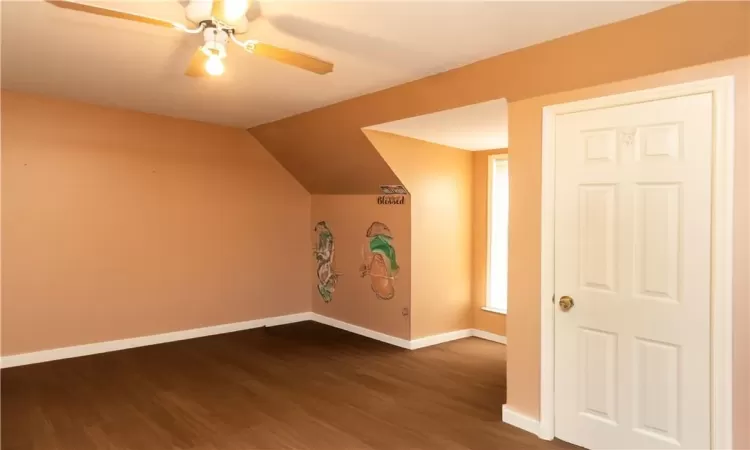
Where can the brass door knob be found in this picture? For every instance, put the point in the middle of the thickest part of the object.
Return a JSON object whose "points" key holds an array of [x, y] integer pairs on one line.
{"points": [[566, 303]]}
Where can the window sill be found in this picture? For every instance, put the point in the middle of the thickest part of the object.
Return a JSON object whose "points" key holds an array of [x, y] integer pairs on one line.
{"points": [[494, 310]]}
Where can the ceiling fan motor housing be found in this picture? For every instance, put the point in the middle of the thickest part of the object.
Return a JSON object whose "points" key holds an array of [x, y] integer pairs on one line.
{"points": [[216, 42]]}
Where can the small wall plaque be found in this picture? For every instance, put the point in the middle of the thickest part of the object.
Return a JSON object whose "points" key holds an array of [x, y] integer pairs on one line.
{"points": [[393, 189]]}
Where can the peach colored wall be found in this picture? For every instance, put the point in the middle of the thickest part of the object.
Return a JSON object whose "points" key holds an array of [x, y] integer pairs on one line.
{"points": [[439, 181], [119, 224], [348, 217], [525, 128], [681, 36], [324, 147], [483, 320]]}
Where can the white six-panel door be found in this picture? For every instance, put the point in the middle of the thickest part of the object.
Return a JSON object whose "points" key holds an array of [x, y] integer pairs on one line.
{"points": [[633, 251]]}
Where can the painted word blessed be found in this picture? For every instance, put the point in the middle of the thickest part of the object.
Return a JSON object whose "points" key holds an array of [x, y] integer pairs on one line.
{"points": [[390, 200]]}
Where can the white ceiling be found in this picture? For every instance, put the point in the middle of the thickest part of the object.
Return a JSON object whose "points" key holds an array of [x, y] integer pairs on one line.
{"points": [[482, 126], [374, 44]]}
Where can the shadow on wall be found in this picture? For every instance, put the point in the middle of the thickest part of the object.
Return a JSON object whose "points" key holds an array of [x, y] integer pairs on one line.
{"points": [[439, 179]]}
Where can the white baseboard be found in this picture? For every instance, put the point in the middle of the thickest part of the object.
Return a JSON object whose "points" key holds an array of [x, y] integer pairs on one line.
{"points": [[489, 336], [356, 329], [436, 339], [414, 344], [142, 341], [289, 318], [520, 421]]}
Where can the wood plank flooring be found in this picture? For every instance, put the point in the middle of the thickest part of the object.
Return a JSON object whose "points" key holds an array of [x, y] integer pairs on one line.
{"points": [[300, 386]]}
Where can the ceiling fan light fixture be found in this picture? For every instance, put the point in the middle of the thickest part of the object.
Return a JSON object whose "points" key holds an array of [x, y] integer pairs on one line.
{"points": [[211, 18], [214, 66], [215, 42], [215, 48]]}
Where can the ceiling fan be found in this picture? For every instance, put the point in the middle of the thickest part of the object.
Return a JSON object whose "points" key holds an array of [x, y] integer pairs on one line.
{"points": [[218, 28]]}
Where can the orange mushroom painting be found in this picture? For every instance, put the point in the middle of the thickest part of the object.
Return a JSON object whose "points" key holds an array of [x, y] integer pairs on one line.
{"points": [[379, 261]]}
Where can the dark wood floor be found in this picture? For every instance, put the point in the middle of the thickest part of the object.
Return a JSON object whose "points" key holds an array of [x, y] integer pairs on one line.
{"points": [[301, 386]]}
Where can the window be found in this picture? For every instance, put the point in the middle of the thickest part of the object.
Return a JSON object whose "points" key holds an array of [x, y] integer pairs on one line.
{"points": [[497, 267]]}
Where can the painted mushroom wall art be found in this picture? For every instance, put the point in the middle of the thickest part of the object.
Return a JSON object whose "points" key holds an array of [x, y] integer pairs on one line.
{"points": [[379, 261]]}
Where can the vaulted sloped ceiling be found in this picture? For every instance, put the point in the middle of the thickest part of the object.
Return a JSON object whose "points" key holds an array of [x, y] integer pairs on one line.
{"points": [[328, 156], [328, 152]]}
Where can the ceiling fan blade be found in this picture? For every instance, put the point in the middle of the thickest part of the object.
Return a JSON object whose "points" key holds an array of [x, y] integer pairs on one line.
{"points": [[197, 65], [217, 10], [91, 9], [285, 56], [229, 11]]}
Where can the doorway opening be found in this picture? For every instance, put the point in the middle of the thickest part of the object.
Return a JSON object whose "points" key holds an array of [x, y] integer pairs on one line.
{"points": [[455, 167]]}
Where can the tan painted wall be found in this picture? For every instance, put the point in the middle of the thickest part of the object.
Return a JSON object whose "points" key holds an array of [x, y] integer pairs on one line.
{"points": [[326, 158], [119, 224], [482, 320], [685, 35], [677, 37], [439, 181], [681, 36], [348, 217], [525, 128]]}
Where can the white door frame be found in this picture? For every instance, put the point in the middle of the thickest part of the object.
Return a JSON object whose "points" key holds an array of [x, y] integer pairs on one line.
{"points": [[721, 246]]}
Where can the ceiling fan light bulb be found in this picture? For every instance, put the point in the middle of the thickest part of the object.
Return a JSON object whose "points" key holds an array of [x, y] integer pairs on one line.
{"points": [[214, 66]]}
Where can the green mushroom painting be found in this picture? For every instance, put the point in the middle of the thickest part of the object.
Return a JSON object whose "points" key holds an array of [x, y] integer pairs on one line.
{"points": [[379, 261], [325, 252]]}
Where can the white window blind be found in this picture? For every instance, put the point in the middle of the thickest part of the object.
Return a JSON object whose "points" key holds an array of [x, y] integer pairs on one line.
{"points": [[497, 295]]}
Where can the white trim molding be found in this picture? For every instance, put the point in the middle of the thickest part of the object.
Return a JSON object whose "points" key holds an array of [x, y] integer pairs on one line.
{"points": [[486, 335], [414, 344], [142, 341], [356, 329], [286, 319], [495, 310], [436, 339], [722, 90], [520, 421]]}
